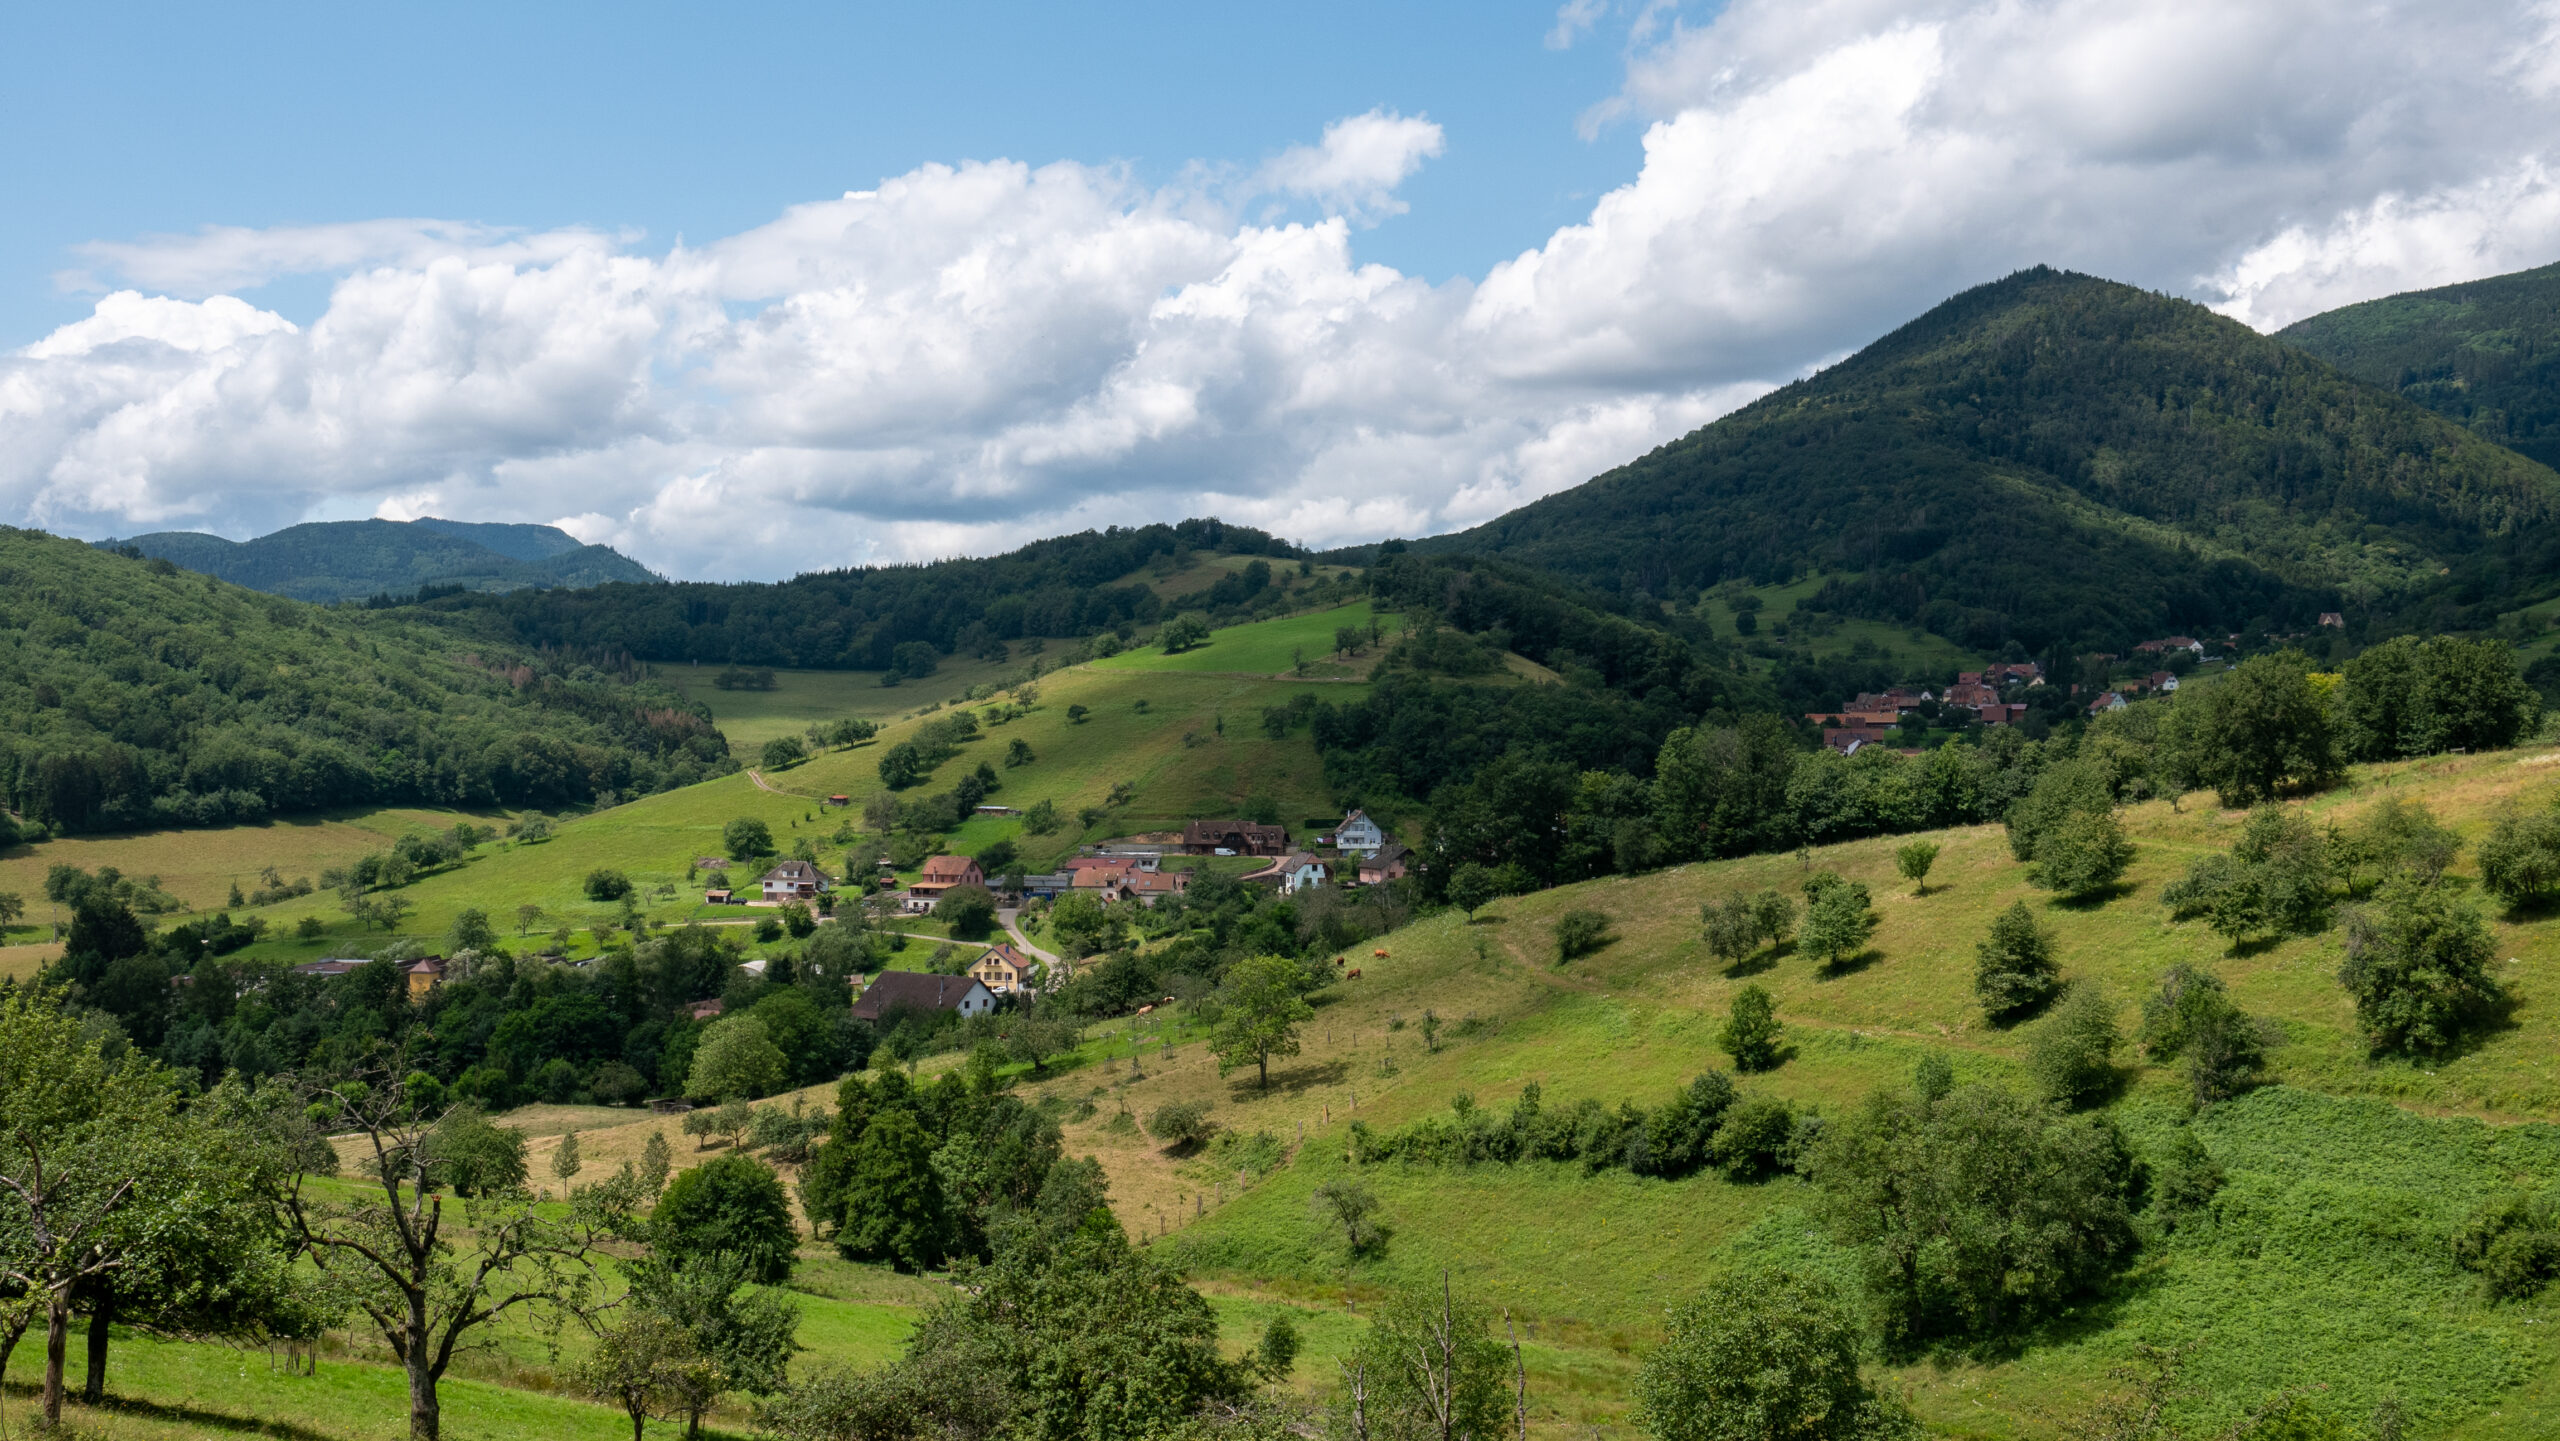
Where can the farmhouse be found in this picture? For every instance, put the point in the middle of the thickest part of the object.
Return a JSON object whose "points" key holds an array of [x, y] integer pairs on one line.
{"points": [[941, 873], [1244, 838], [1294, 872], [794, 881], [1358, 835], [1391, 863], [916, 991], [1002, 970]]}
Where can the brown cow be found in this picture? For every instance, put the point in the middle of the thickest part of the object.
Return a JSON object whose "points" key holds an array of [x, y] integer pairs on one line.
{"points": [[1355, 974]]}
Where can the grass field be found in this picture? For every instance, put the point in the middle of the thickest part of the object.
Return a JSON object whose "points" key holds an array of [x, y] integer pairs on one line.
{"points": [[1267, 648], [200, 867], [1919, 650], [801, 698]]}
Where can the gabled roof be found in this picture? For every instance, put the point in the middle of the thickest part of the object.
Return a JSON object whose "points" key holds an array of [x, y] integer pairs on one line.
{"points": [[914, 990], [797, 872], [1388, 854], [947, 868]]}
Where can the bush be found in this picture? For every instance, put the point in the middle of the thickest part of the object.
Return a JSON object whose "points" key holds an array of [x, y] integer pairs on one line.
{"points": [[2013, 969], [1764, 1356], [607, 885], [617, 1084], [747, 838], [1579, 933], [730, 1206], [2513, 1244], [1914, 860], [1181, 1123], [2418, 966], [2185, 1181], [970, 911], [1837, 917], [1978, 1211], [784, 751], [474, 1156], [736, 1059], [2072, 1054], [1737, 925], [2192, 1017], [1755, 1139], [1751, 1030], [2520, 861], [2252, 732], [2086, 853]]}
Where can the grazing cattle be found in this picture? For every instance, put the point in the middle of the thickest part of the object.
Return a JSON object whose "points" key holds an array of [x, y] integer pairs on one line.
{"points": [[1354, 975], [1381, 955]]}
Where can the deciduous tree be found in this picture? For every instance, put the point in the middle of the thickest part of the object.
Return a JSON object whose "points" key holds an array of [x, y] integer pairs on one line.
{"points": [[1258, 1010]]}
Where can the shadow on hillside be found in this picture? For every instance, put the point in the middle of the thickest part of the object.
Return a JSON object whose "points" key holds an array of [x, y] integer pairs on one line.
{"points": [[2090, 1318], [1289, 1081], [2092, 900], [1848, 965], [221, 1421], [1758, 961]]}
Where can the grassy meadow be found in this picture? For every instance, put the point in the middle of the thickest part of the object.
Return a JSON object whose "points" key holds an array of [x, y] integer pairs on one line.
{"points": [[1922, 650], [1268, 648]]}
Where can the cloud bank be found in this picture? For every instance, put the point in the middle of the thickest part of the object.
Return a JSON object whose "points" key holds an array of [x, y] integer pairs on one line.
{"points": [[970, 355]]}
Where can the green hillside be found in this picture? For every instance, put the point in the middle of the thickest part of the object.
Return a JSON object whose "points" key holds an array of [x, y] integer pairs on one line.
{"points": [[2053, 460], [2485, 353], [133, 693], [355, 559]]}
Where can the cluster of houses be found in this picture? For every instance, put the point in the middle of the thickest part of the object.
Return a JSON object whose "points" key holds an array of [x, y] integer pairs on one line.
{"points": [[1863, 721], [1357, 852]]}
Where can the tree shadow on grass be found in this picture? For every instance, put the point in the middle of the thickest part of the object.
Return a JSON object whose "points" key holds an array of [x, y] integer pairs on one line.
{"points": [[1847, 966], [2089, 1317], [1290, 1080], [2092, 900], [1753, 964], [182, 1415]]}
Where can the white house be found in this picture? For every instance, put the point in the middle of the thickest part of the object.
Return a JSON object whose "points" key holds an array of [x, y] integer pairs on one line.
{"points": [[794, 881], [1358, 835], [1295, 872]]}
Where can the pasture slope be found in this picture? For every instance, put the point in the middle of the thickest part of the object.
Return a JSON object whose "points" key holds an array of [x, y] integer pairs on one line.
{"points": [[1188, 741]]}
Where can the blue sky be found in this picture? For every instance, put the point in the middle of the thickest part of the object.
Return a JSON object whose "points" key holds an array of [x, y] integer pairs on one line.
{"points": [[747, 290], [701, 121]]}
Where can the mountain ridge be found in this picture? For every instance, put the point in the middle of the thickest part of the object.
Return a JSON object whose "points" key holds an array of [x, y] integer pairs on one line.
{"points": [[356, 559], [1947, 473]]}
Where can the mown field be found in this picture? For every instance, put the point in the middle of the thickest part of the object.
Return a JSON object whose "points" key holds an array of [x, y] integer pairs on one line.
{"points": [[802, 698], [1269, 648]]}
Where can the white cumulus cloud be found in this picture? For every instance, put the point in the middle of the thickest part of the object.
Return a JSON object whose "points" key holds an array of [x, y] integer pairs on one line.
{"points": [[970, 355]]}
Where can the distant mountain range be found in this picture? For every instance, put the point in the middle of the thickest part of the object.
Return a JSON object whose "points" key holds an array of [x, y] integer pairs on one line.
{"points": [[2064, 461], [357, 559]]}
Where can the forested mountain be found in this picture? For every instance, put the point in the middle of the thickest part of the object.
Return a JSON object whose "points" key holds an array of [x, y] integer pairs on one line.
{"points": [[134, 693], [355, 559], [857, 619], [2485, 353], [2056, 460]]}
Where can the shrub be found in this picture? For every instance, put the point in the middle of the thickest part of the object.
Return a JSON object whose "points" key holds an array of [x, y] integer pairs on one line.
{"points": [[797, 921], [768, 929], [2512, 1243], [2520, 861], [2418, 966], [782, 751], [1738, 925], [2086, 853], [734, 1206], [473, 1155], [607, 885], [970, 911], [1754, 1139], [1751, 1030], [1978, 1211], [1764, 1356], [2072, 1054], [1914, 860], [1181, 1123], [737, 1059], [2192, 1017], [747, 838], [1579, 933], [2186, 1179], [2014, 971], [1837, 917]]}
